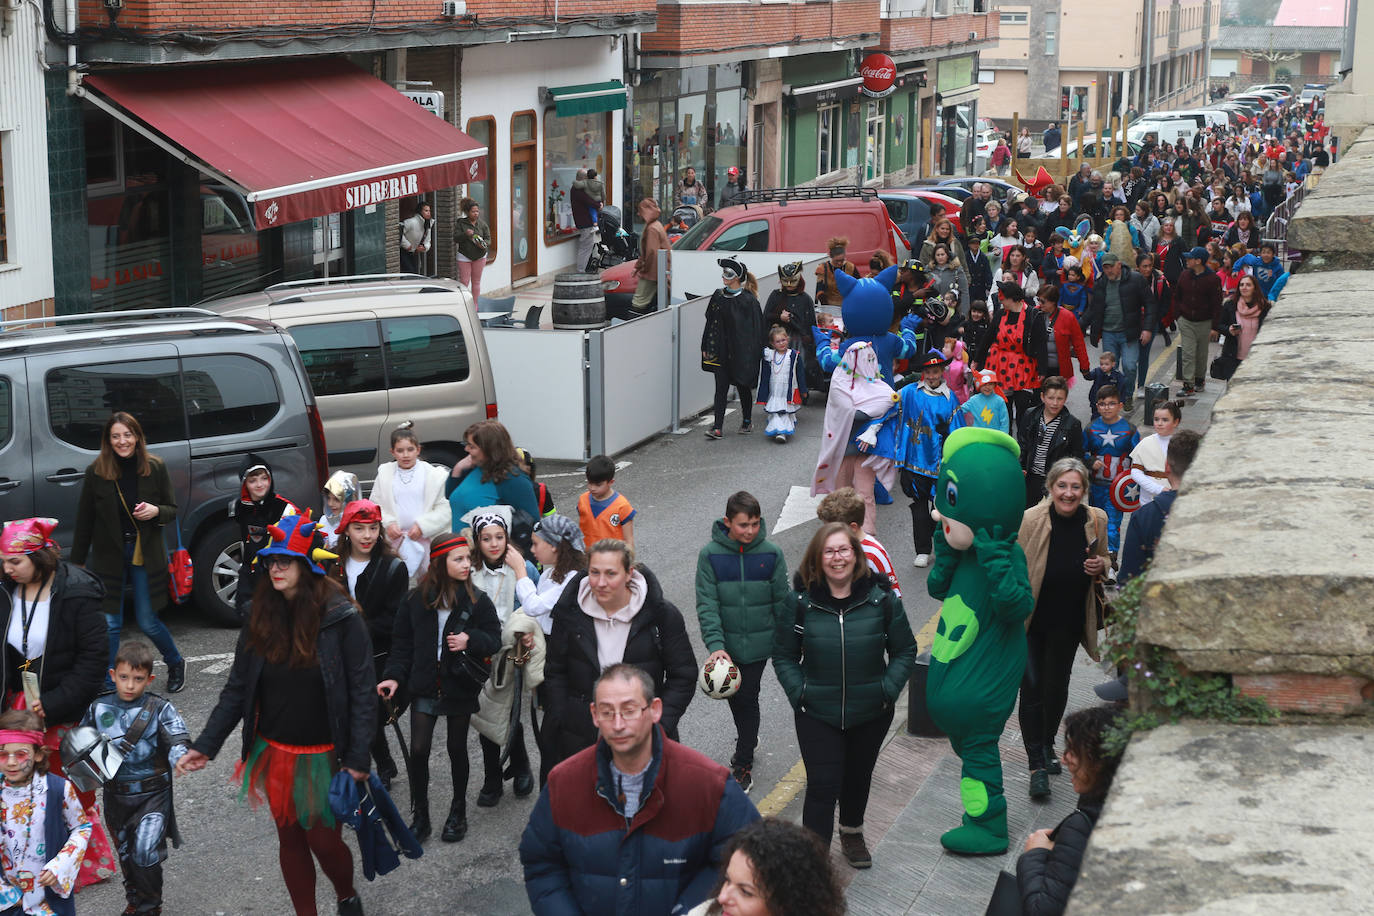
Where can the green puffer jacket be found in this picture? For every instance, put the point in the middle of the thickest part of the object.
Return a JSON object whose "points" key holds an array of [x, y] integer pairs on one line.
{"points": [[741, 591], [855, 655]]}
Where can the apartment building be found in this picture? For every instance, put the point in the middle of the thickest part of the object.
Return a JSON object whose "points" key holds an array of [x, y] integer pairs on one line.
{"points": [[1079, 60]]}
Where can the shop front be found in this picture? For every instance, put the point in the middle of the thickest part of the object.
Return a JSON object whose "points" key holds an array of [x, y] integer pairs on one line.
{"points": [[693, 117], [540, 125], [194, 193], [956, 115]]}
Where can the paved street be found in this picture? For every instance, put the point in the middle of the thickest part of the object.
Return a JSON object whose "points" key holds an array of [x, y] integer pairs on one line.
{"points": [[679, 484]]}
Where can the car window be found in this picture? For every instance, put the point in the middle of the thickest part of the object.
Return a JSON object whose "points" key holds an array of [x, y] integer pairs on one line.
{"points": [[751, 235], [693, 238], [228, 394], [341, 357], [6, 411], [898, 208], [424, 350], [81, 398]]}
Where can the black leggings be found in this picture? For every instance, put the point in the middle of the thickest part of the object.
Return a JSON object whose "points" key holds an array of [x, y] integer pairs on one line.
{"points": [[1050, 652], [1018, 403], [422, 738], [839, 767], [519, 759], [921, 489], [744, 708], [746, 399]]}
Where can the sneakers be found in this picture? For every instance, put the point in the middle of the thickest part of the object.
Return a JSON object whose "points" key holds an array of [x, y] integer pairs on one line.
{"points": [[1199, 384], [744, 776], [1188, 389], [746, 428], [714, 434], [1040, 784], [1052, 762], [351, 906], [176, 676], [855, 849], [922, 560]]}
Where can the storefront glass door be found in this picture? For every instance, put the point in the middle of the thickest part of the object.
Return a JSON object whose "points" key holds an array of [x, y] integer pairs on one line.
{"points": [[523, 214]]}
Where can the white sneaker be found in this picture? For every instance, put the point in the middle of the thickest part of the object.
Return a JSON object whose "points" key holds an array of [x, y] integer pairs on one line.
{"points": [[922, 560]]}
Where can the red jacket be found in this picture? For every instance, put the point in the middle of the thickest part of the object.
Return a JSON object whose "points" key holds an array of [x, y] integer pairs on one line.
{"points": [[1068, 339]]}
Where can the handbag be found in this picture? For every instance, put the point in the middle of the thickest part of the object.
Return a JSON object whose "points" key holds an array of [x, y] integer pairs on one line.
{"points": [[1223, 367], [471, 673], [180, 571], [1102, 604]]}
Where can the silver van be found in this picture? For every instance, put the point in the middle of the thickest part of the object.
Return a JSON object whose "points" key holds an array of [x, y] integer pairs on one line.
{"points": [[206, 390], [380, 350]]}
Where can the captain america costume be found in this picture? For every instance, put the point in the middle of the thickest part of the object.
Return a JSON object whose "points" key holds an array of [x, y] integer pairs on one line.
{"points": [[1112, 444]]}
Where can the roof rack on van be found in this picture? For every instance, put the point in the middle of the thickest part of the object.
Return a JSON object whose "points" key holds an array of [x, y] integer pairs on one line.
{"points": [[113, 316], [784, 195], [428, 286], [352, 278]]}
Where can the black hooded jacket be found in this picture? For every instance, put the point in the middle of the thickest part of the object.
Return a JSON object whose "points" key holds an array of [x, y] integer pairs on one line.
{"points": [[253, 515]]}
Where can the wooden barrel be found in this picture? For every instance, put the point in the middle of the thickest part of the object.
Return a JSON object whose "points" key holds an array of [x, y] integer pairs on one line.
{"points": [[579, 301]]}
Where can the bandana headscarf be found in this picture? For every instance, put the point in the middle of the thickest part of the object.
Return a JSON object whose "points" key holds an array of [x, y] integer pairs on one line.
{"points": [[559, 528], [363, 511], [440, 547], [856, 386], [28, 535]]}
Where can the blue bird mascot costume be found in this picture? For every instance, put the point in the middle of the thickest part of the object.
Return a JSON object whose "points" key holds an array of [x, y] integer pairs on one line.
{"points": [[867, 315]]}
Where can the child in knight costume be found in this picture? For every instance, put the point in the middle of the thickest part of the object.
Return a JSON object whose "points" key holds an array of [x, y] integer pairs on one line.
{"points": [[150, 736]]}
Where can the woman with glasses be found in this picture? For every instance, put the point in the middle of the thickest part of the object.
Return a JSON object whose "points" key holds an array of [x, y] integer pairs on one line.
{"points": [[615, 612], [842, 659]]}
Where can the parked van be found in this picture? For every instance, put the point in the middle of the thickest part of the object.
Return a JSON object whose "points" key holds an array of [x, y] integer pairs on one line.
{"points": [[206, 390], [779, 219], [381, 350], [1167, 129], [1211, 117]]}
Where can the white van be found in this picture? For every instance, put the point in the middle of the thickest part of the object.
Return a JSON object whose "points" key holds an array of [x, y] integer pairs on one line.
{"points": [[1167, 128], [1214, 118]]}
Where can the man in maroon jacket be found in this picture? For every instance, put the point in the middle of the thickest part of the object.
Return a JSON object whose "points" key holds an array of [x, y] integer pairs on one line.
{"points": [[1197, 303]]}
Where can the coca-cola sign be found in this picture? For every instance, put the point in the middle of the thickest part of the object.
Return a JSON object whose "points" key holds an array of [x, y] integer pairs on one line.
{"points": [[879, 74]]}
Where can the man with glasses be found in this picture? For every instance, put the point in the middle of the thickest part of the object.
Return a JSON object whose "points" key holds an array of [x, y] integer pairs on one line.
{"points": [[681, 806]]}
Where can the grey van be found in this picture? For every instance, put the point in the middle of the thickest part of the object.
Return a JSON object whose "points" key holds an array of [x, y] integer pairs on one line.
{"points": [[205, 389]]}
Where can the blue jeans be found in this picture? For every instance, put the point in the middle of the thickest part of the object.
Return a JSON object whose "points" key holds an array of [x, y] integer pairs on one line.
{"points": [[1126, 349], [136, 582]]}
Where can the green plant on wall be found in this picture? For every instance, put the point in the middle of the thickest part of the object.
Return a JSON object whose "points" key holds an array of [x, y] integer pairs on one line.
{"points": [[1173, 692]]}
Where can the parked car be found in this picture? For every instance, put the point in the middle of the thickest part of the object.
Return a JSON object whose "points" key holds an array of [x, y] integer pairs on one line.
{"points": [[778, 219], [910, 209], [1089, 149], [987, 142], [381, 350], [1283, 89], [1000, 188], [206, 389]]}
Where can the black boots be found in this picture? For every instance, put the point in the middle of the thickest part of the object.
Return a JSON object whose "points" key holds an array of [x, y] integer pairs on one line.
{"points": [[176, 676], [456, 826], [420, 825]]}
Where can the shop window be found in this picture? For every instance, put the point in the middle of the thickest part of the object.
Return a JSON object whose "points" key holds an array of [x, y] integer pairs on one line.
{"points": [[873, 140], [827, 139], [230, 247], [483, 130], [227, 394], [748, 236], [571, 143], [81, 399], [425, 350], [341, 357]]}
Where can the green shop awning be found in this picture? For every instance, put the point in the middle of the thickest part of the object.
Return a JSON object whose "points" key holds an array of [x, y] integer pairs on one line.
{"points": [[589, 98]]}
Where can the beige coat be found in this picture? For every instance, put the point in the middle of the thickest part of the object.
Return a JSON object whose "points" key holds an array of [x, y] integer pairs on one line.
{"points": [[493, 716], [1035, 541]]}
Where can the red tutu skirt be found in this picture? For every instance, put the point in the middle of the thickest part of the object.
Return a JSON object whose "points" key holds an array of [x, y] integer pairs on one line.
{"points": [[99, 862], [292, 779]]}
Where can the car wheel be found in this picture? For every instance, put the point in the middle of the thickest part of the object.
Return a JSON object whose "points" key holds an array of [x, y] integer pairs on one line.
{"points": [[217, 557], [439, 455]]}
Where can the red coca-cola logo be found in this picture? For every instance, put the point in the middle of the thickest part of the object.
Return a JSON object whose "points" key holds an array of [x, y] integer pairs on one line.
{"points": [[879, 75]]}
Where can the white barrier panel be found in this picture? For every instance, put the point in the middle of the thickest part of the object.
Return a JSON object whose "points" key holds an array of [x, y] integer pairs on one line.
{"points": [[696, 389], [632, 382], [541, 389], [696, 273]]}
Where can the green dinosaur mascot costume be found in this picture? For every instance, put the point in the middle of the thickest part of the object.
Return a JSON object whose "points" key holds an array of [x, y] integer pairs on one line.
{"points": [[979, 651]]}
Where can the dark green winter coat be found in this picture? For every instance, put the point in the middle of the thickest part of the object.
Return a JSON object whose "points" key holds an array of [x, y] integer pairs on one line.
{"points": [[741, 589], [854, 657]]}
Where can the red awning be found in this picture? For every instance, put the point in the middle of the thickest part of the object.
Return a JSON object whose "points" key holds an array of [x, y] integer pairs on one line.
{"points": [[300, 138]]}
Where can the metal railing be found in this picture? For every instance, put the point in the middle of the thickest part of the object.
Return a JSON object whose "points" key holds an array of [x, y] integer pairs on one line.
{"points": [[1276, 226]]}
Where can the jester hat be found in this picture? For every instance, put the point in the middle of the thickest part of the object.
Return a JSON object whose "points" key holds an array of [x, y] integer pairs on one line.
{"points": [[26, 536], [1035, 186], [298, 536]]}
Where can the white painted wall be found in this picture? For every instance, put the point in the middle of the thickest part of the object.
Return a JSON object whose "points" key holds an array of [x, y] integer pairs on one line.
{"points": [[26, 274], [498, 81]]}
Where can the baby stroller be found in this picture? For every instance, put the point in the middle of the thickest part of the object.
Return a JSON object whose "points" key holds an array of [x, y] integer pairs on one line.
{"points": [[683, 218], [613, 244]]}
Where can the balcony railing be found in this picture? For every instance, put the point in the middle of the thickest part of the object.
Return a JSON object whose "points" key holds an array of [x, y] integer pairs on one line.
{"points": [[905, 9]]}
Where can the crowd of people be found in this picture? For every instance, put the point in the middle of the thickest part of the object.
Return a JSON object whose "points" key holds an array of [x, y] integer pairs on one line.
{"points": [[463, 594]]}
